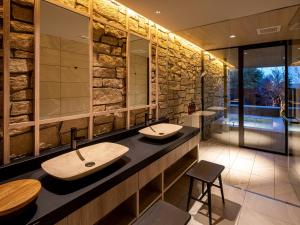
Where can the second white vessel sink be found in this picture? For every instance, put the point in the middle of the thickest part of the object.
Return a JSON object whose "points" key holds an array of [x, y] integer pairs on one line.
{"points": [[84, 161], [160, 131]]}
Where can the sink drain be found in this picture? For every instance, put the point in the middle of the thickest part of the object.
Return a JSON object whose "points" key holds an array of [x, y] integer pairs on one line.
{"points": [[90, 164]]}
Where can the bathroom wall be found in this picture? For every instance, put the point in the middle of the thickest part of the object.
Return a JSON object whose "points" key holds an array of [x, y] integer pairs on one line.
{"points": [[1, 85], [213, 93], [21, 61], [184, 66], [58, 133], [79, 5], [176, 62], [21, 76], [153, 71], [109, 67]]}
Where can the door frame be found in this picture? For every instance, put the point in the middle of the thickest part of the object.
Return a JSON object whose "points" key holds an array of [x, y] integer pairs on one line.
{"points": [[241, 50]]}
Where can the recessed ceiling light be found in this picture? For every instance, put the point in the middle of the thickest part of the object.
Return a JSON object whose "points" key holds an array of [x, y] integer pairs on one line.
{"points": [[232, 36], [245, 53], [157, 12]]}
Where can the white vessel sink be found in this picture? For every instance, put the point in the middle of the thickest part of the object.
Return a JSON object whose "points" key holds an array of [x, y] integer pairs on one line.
{"points": [[160, 131], [84, 161]]}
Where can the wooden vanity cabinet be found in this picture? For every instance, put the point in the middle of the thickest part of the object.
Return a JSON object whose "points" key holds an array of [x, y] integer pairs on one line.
{"points": [[122, 204]]}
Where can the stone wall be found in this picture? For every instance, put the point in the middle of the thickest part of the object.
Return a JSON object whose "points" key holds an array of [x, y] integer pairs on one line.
{"points": [[179, 65], [162, 70], [21, 75], [213, 92], [79, 5], [153, 73], [138, 24], [184, 66], [153, 39], [111, 13], [56, 134], [137, 116], [1, 79], [176, 62], [109, 67], [108, 123], [21, 62]]}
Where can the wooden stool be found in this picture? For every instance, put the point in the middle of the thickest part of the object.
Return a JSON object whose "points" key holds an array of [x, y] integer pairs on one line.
{"points": [[163, 213], [207, 173]]}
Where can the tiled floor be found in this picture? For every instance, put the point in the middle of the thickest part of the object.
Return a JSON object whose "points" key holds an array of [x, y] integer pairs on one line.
{"points": [[254, 171], [241, 207]]}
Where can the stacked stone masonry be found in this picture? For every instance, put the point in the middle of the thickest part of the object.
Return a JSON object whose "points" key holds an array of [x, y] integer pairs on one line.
{"points": [[162, 70], [1, 79], [56, 134], [176, 63], [138, 24], [137, 116], [79, 5], [108, 123], [21, 70], [153, 73], [184, 66], [213, 93], [109, 67], [110, 13]]}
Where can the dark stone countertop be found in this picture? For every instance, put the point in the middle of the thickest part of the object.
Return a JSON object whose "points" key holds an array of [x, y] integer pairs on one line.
{"points": [[59, 198]]}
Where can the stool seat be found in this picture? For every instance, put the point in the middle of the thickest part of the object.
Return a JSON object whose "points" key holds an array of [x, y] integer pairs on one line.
{"points": [[206, 171], [163, 213]]}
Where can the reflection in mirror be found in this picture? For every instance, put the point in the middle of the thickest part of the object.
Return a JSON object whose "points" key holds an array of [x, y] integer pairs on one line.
{"points": [[64, 62], [139, 71]]}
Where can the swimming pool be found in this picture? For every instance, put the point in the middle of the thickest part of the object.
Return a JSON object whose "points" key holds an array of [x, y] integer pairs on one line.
{"points": [[257, 122]]}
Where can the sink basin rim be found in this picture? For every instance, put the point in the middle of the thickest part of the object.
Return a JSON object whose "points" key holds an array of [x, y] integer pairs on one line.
{"points": [[78, 168], [149, 133]]}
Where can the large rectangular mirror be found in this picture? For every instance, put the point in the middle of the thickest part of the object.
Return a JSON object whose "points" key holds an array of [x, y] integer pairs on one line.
{"points": [[138, 70], [64, 62]]}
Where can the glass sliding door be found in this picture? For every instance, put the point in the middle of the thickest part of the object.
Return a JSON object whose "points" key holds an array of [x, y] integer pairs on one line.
{"points": [[293, 115], [263, 87]]}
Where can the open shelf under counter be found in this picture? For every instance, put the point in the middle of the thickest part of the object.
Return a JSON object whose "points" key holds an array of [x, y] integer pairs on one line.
{"points": [[177, 194], [150, 193], [179, 168], [124, 214]]}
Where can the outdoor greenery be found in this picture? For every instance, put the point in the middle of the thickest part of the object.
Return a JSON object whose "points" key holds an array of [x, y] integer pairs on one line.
{"points": [[263, 86]]}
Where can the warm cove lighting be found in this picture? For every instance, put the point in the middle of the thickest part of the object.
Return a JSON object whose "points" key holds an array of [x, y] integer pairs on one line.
{"points": [[172, 35]]}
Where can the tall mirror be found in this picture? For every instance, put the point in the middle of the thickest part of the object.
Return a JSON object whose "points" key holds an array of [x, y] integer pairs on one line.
{"points": [[138, 70], [64, 62]]}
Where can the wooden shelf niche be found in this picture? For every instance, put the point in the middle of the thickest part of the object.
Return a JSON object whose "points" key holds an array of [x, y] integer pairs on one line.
{"points": [[179, 168], [124, 214], [150, 193]]}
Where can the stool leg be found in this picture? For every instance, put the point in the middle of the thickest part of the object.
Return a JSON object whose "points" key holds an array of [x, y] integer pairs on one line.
{"points": [[190, 193], [208, 186], [221, 187]]}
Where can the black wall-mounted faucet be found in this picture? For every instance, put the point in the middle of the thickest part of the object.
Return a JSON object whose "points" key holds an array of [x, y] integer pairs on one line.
{"points": [[147, 119], [74, 138]]}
